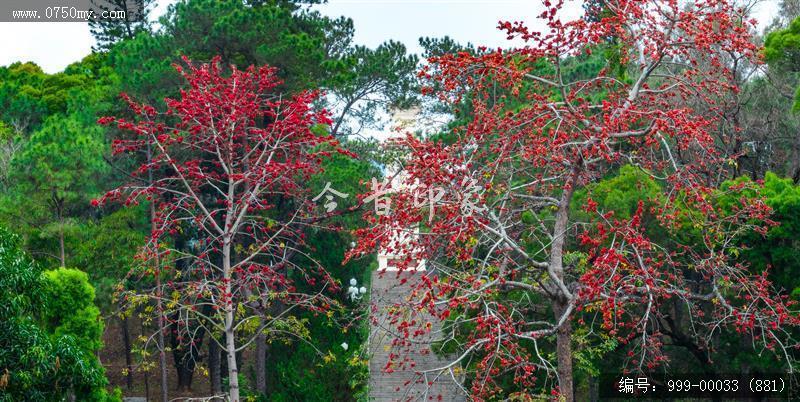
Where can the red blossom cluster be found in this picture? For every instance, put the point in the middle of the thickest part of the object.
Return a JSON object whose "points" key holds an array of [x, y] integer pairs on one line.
{"points": [[227, 167], [516, 273]]}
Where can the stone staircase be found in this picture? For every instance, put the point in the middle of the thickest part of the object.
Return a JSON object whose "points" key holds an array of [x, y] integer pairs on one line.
{"points": [[404, 383]]}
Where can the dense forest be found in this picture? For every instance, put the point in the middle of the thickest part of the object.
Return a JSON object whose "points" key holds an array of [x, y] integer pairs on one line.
{"points": [[621, 194]]}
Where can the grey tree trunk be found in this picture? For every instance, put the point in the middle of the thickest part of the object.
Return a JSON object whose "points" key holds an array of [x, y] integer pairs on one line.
{"points": [[126, 341], [230, 341], [146, 372], [564, 353], [60, 211], [562, 297], [594, 389], [62, 254], [795, 167], [230, 347], [261, 363], [162, 356], [215, 366]]}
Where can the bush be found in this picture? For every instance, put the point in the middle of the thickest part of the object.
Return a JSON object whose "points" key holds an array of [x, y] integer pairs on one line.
{"points": [[49, 331]]}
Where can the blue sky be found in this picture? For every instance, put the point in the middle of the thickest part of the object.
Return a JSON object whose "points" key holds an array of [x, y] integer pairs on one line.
{"points": [[54, 45]]}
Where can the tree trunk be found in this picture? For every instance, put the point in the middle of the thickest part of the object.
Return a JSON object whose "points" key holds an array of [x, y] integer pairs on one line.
{"points": [[564, 353], [561, 300], [185, 357], [214, 366], [60, 212], [126, 341], [146, 372], [186, 354], [261, 363], [162, 356], [230, 348], [147, 385], [230, 341], [184, 366], [795, 167], [62, 255]]}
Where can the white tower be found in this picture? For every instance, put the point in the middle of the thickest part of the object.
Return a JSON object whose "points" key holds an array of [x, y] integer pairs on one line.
{"points": [[402, 121], [393, 292]]}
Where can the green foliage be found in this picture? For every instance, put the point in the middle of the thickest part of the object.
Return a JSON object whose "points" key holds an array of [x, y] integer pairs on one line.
{"points": [[620, 193], [21, 102], [588, 353], [39, 364], [319, 369], [782, 50], [70, 308], [105, 249], [779, 250], [783, 45], [54, 176], [52, 154], [144, 65], [109, 31], [434, 47], [301, 374], [242, 34], [28, 95], [777, 253], [309, 50], [20, 278], [369, 79], [63, 157]]}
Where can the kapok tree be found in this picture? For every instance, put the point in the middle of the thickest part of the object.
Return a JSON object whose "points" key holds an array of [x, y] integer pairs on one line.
{"points": [[517, 261], [229, 162]]}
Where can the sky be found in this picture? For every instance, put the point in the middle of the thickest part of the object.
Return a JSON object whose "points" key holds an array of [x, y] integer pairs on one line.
{"points": [[54, 45]]}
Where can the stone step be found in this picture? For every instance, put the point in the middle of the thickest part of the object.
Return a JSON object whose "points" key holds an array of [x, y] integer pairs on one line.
{"points": [[404, 383]]}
